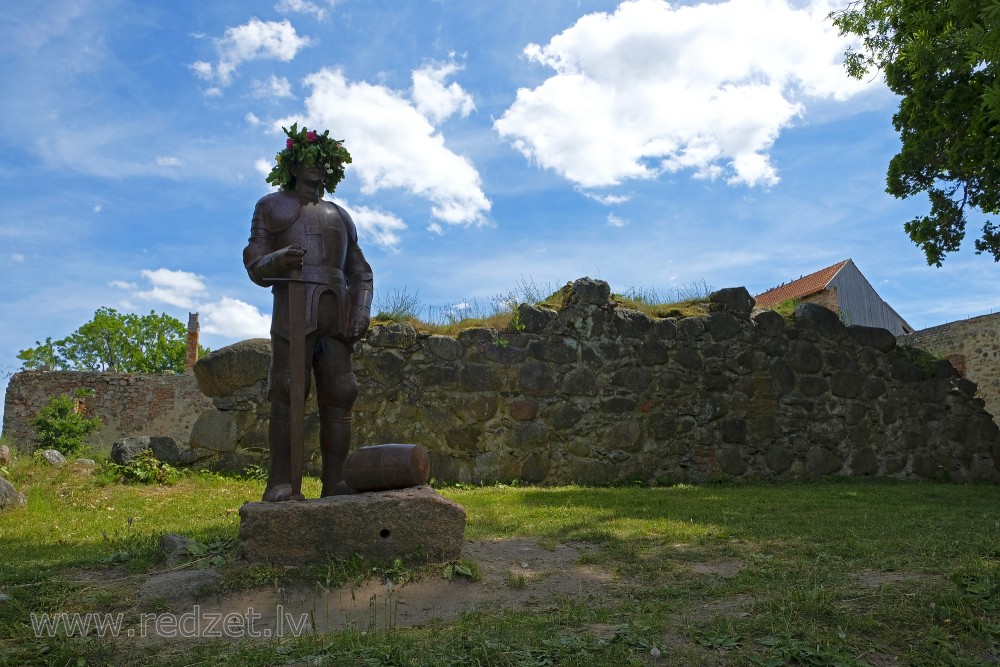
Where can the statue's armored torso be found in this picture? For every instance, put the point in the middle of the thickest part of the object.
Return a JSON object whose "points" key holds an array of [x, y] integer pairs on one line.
{"points": [[317, 226], [283, 219]]}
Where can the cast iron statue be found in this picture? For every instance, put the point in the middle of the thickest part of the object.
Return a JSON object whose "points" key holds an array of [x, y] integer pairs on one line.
{"points": [[306, 250]]}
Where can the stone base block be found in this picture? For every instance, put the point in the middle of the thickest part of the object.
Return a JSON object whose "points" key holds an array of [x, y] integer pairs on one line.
{"points": [[416, 524]]}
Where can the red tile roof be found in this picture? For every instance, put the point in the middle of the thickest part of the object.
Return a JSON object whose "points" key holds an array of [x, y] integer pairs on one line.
{"points": [[797, 289]]}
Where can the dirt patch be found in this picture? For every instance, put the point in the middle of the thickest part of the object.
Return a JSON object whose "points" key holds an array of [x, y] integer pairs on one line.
{"points": [[726, 569], [870, 579], [877, 659], [603, 631], [105, 576], [732, 607], [515, 573]]}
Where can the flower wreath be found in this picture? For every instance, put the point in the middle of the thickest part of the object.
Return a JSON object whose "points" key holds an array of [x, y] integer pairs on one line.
{"points": [[306, 146]]}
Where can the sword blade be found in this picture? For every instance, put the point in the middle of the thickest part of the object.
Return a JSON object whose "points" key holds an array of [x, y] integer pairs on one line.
{"points": [[297, 378]]}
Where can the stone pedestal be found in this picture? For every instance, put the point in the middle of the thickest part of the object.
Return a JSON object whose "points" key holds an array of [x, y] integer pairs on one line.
{"points": [[415, 524]]}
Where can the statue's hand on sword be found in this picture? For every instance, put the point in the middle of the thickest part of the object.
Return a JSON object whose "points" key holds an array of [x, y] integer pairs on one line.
{"points": [[290, 257]]}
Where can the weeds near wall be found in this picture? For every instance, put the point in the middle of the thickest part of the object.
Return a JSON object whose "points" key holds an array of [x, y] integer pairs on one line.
{"points": [[397, 305], [497, 312], [62, 426], [925, 361], [787, 308], [698, 290], [143, 469], [500, 310]]}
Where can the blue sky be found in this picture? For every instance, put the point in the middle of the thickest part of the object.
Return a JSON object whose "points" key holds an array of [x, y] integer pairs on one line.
{"points": [[648, 144]]}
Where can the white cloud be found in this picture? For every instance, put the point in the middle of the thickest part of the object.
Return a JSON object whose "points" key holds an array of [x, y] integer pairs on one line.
{"points": [[17, 257], [98, 208], [653, 88], [434, 99], [607, 200], [168, 161], [227, 316], [203, 69], [263, 167], [177, 288], [394, 146], [274, 87], [303, 7], [435, 228], [615, 221], [252, 119], [379, 227], [234, 319], [254, 40]]}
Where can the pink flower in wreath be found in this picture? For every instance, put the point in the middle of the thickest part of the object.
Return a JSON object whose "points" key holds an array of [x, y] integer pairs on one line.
{"points": [[310, 135], [290, 144]]}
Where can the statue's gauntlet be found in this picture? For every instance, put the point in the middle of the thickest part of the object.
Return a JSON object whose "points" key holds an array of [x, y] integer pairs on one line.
{"points": [[361, 306]]}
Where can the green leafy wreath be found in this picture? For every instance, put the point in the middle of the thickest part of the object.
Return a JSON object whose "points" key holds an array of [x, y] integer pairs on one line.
{"points": [[306, 146]]}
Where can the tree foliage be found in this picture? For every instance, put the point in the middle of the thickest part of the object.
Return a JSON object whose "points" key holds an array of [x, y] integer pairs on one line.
{"points": [[126, 343], [941, 57]]}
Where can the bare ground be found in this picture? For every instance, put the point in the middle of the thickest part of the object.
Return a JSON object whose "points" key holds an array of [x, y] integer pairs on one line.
{"points": [[515, 573]]}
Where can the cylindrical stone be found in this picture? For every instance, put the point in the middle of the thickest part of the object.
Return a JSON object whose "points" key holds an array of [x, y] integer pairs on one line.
{"points": [[385, 467]]}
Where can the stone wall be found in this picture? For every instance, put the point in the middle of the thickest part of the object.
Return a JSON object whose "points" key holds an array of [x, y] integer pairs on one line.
{"points": [[826, 298], [128, 404], [593, 393], [973, 346], [233, 434]]}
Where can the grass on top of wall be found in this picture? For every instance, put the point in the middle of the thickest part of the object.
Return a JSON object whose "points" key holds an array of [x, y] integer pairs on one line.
{"points": [[835, 572], [500, 311]]}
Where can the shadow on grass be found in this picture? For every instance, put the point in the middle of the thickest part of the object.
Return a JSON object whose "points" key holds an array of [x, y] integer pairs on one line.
{"points": [[879, 523]]}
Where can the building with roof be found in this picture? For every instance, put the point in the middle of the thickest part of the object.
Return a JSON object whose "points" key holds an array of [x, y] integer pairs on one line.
{"points": [[843, 289]]}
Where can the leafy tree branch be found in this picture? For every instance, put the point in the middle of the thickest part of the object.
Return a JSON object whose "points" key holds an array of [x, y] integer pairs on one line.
{"points": [[941, 57]]}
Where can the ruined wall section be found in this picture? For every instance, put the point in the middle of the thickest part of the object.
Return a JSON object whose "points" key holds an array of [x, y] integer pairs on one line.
{"points": [[128, 404], [973, 345], [593, 394], [598, 394]]}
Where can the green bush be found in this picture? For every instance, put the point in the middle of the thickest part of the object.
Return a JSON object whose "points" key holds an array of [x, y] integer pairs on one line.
{"points": [[60, 427], [143, 469]]}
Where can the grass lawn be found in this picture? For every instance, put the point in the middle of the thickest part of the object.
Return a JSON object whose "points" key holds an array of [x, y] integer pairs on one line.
{"points": [[838, 572]]}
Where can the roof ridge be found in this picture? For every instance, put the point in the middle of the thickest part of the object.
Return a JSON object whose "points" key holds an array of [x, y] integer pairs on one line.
{"points": [[803, 286]]}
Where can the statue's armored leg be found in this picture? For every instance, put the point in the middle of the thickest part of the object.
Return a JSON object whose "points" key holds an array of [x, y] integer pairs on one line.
{"points": [[279, 487], [335, 444], [337, 390]]}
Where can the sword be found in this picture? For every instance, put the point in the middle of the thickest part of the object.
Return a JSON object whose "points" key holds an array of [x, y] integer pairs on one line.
{"points": [[296, 362]]}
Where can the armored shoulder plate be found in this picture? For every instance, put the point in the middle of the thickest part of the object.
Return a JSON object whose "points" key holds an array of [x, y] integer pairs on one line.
{"points": [[352, 231], [279, 211]]}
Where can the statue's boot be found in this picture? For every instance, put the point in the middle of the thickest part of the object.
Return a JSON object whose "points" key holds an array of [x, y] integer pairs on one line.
{"points": [[279, 476], [334, 445]]}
